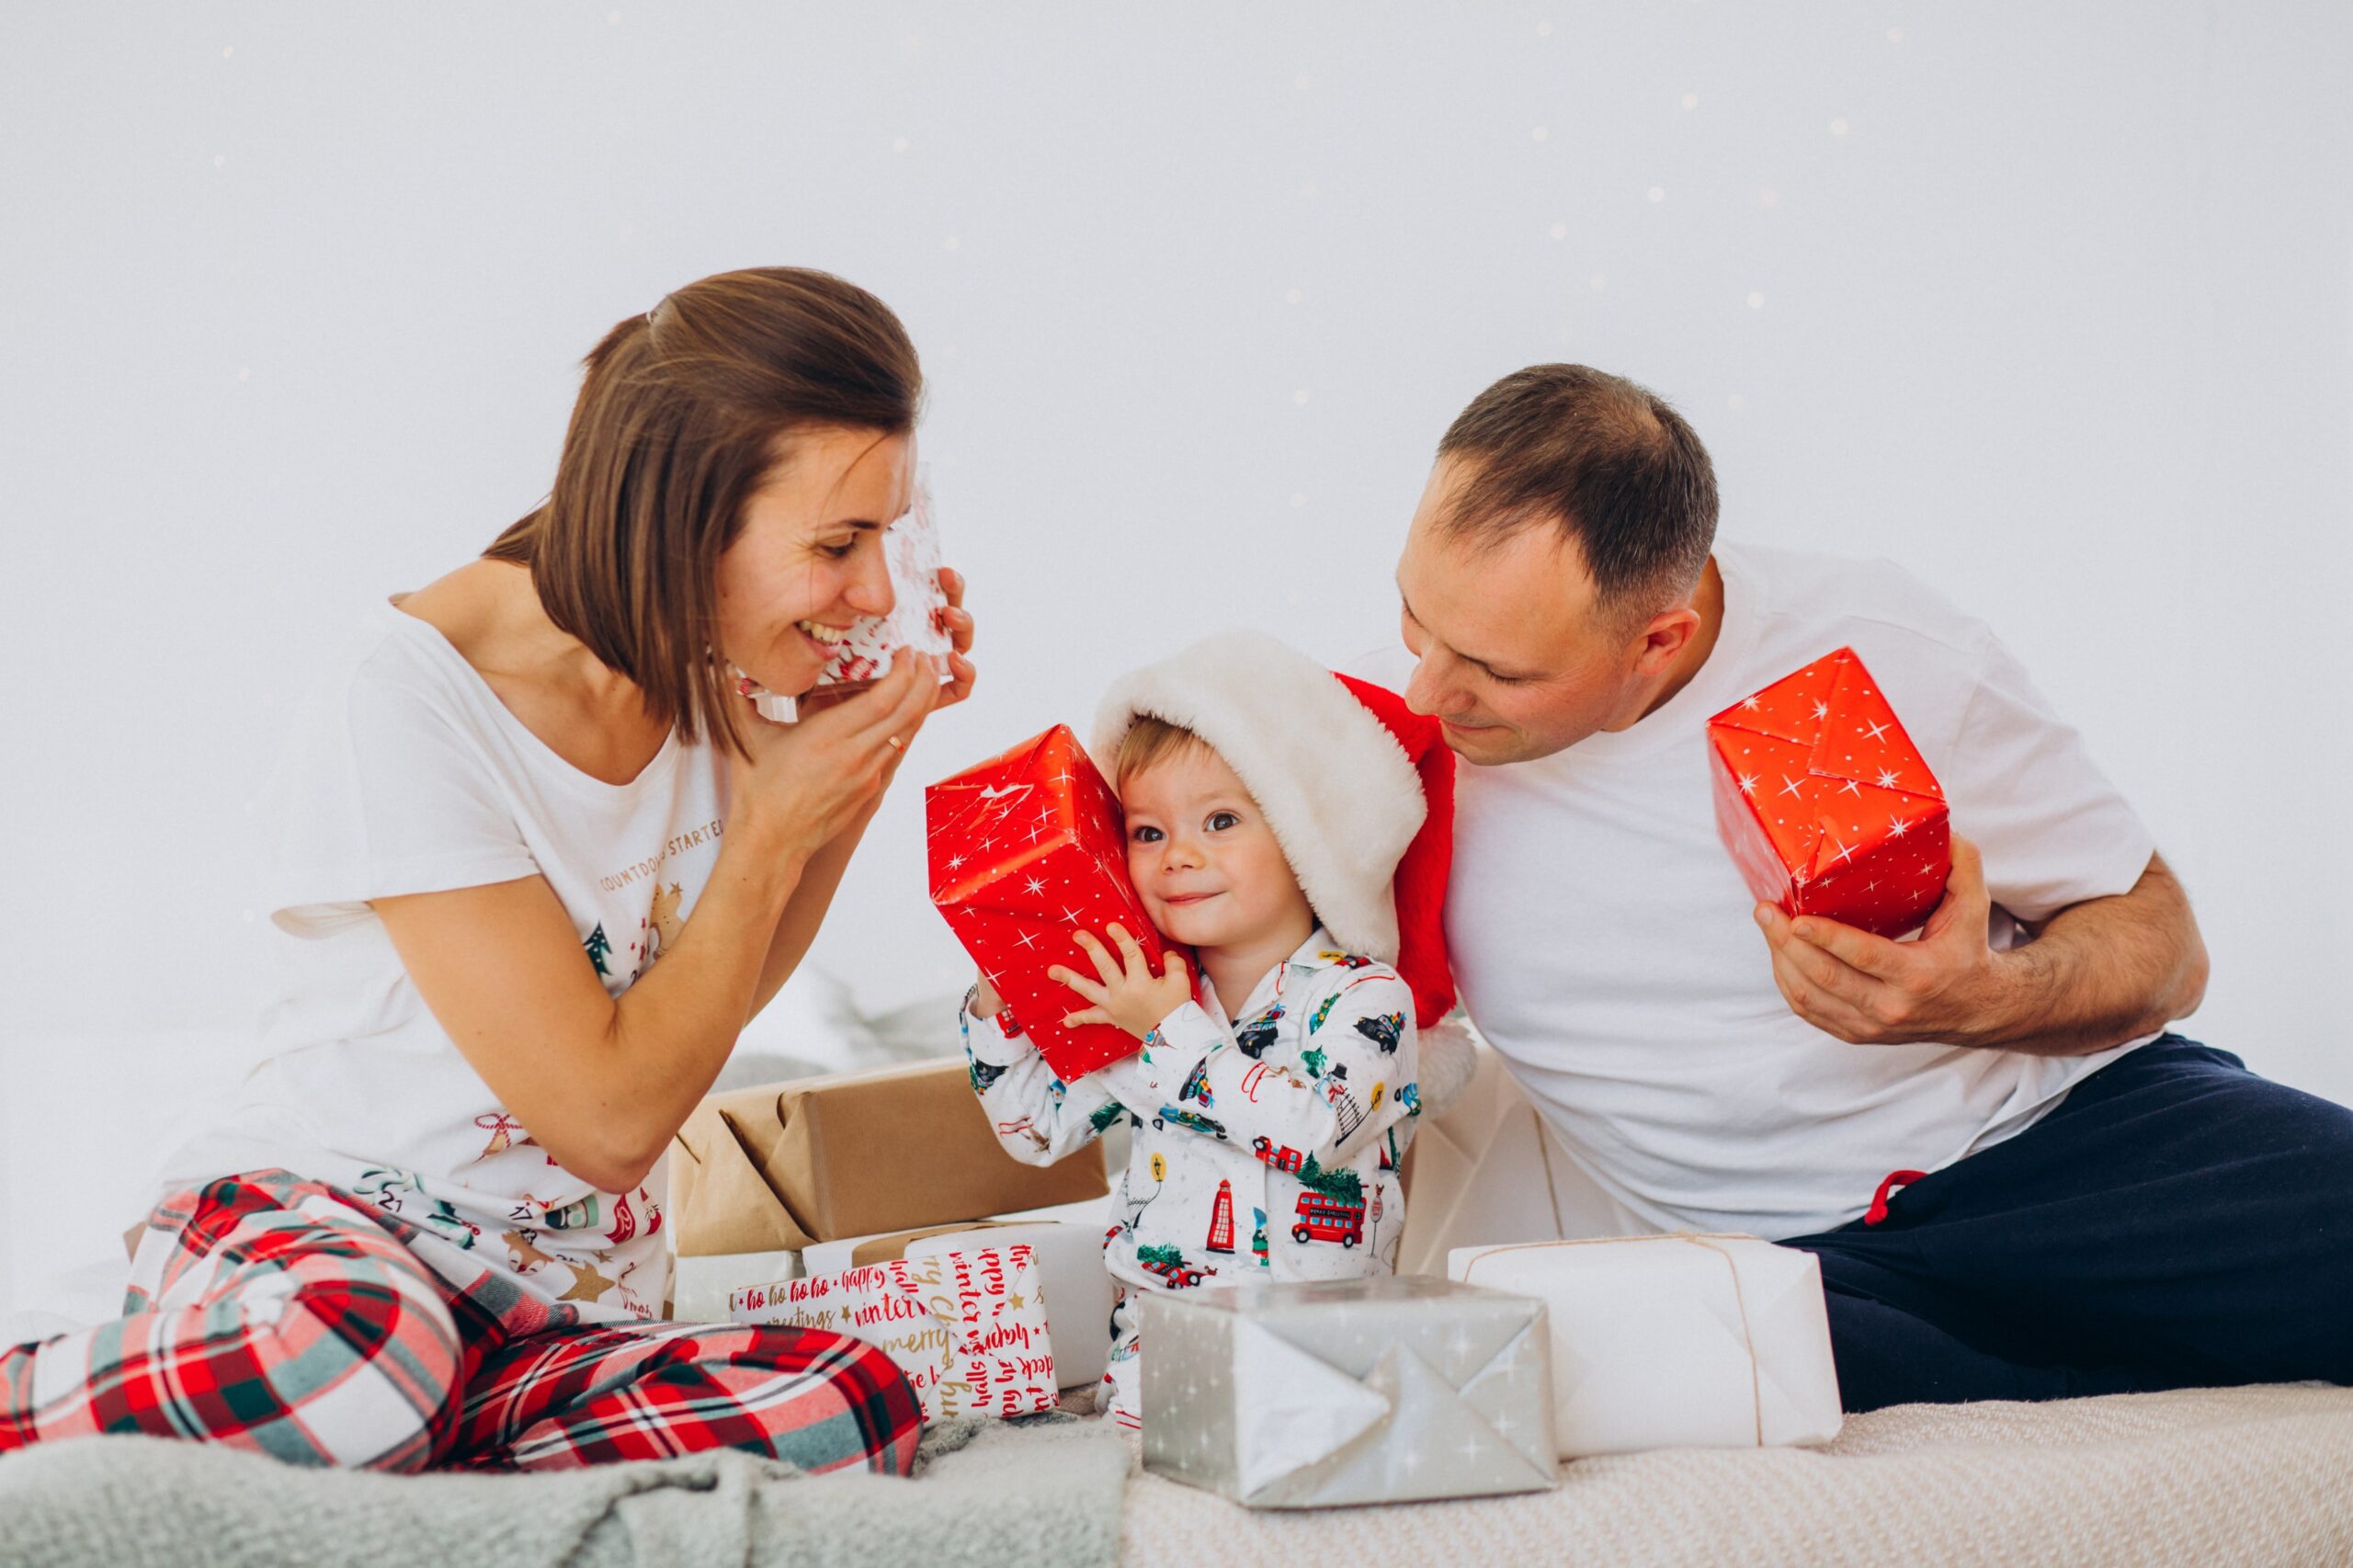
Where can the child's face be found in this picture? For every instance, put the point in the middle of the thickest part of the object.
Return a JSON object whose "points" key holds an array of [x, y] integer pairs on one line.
{"points": [[1201, 855]]}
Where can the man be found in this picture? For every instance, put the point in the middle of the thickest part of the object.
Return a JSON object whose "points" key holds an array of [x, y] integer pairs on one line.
{"points": [[2104, 1206]]}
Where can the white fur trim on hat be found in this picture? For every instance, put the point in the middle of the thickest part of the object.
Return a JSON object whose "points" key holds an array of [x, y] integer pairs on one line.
{"points": [[1339, 792]]}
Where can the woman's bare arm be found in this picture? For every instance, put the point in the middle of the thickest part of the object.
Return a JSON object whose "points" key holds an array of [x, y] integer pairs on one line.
{"points": [[603, 1082]]}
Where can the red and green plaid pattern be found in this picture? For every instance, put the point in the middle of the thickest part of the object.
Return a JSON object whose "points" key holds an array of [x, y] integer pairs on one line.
{"points": [[277, 1314]]}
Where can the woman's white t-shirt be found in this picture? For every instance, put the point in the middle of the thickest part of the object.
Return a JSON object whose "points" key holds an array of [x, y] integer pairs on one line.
{"points": [[1602, 940], [405, 774]]}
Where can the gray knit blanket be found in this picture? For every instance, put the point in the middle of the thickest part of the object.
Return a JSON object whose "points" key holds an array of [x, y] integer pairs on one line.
{"points": [[1042, 1493]]}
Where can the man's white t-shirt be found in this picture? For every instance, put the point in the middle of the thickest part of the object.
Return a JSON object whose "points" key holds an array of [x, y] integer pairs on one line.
{"points": [[1602, 940], [405, 774]]}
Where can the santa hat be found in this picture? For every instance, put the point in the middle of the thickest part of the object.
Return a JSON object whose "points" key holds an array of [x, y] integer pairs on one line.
{"points": [[1358, 789]]}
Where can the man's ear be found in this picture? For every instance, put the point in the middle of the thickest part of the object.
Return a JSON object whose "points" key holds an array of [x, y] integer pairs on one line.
{"points": [[1662, 639]]}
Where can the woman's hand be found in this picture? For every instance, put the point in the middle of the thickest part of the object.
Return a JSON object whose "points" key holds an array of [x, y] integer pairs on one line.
{"points": [[956, 621], [803, 784], [1126, 994]]}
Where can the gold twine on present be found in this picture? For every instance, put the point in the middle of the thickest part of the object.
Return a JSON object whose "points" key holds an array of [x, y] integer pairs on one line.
{"points": [[1552, 1186], [1740, 1301]]}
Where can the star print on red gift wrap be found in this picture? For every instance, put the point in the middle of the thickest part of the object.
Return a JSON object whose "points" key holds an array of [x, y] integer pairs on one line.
{"points": [[1026, 848], [1827, 807]]}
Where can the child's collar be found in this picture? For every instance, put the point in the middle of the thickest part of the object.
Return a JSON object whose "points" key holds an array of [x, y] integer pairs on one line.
{"points": [[1318, 951]]}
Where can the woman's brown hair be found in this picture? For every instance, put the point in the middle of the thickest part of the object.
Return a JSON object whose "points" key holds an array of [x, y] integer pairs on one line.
{"points": [[684, 412]]}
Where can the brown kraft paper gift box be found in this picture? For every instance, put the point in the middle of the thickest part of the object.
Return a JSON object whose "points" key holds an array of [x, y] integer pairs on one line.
{"points": [[775, 1168]]}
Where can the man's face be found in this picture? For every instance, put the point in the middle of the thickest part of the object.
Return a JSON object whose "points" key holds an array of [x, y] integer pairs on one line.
{"points": [[1514, 661]]}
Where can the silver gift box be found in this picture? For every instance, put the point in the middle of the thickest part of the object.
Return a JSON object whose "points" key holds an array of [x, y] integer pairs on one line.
{"points": [[1349, 1391]]}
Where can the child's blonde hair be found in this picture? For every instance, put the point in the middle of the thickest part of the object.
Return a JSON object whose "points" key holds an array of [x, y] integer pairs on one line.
{"points": [[1150, 741]]}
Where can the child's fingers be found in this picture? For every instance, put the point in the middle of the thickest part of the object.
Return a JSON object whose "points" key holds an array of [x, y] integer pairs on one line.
{"points": [[1092, 1016], [1177, 967], [1089, 989], [1131, 954], [1105, 968]]}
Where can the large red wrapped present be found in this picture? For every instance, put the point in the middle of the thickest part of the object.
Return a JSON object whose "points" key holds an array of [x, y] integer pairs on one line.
{"points": [[1824, 802], [1026, 849]]}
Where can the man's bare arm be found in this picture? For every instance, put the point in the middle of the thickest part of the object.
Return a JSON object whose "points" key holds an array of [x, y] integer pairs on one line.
{"points": [[2097, 973]]}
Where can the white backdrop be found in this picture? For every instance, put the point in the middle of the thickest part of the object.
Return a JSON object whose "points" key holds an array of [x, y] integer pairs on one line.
{"points": [[2048, 302]]}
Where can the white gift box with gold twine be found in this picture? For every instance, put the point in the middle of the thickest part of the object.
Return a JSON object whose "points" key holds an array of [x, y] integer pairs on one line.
{"points": [[1677, 1341]]}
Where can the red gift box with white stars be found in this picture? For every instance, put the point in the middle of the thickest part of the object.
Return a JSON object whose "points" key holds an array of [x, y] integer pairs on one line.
{"points": [[1826, 805], [1026, 849]]}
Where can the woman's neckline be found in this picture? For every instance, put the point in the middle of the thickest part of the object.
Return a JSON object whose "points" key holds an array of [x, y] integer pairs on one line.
{"points": [[437, 642]]}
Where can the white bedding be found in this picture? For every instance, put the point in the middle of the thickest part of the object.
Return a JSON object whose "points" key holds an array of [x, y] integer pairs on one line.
{"points": [[2201, 1476]]}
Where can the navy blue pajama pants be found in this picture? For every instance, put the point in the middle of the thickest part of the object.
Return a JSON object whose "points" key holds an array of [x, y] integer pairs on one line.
{"points": [[2177, 1221]]}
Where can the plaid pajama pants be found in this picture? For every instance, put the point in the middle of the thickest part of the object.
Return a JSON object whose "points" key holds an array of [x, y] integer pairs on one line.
{"points": [[277, 1314]]}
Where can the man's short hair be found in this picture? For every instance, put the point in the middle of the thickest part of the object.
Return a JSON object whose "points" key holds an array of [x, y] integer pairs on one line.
{"points": [[1611, 466]]}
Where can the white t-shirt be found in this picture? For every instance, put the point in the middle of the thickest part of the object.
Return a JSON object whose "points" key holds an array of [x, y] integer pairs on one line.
{"points": [[405, 774], [1602, 939]]}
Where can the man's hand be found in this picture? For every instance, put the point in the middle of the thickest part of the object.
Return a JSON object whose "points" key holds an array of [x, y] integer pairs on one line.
{"points": [[1126, 994], [1947, 986], [2097, 974]]}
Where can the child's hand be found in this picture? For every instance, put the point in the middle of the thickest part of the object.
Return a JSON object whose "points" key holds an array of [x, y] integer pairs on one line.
{"points": [[1127, 995], [986, 1003]]}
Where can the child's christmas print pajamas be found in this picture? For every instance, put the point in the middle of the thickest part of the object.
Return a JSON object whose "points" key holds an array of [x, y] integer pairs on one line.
{"points": [[1268, 1149]]}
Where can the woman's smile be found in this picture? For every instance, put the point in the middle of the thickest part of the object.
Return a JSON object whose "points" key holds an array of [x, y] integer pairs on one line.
{"points": [[823, 639]]}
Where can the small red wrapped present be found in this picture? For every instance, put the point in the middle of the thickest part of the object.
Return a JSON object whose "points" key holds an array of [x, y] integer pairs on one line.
{"points": [[1825, 803], [1026, 849]]}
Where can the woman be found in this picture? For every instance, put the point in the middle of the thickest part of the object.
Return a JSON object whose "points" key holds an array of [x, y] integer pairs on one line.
{"points": [[538, 862]]}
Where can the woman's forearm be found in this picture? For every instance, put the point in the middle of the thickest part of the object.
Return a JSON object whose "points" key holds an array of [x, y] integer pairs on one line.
{"points": [[805, 911], [671, 1031]]}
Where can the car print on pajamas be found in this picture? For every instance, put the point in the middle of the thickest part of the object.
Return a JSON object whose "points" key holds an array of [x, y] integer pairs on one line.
{"points": [[1190, 1121], [1279, 1156], [1168, 1264], [1253, 1037], [1197, 1086]]}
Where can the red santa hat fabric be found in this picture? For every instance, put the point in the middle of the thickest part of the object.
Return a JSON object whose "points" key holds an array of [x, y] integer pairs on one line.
{"points": [[1358, 789]]}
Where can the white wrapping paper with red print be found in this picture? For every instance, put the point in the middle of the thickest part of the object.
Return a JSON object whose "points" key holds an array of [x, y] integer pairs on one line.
{"points": [[911, 554], [968, 1328], [1826, 805]]}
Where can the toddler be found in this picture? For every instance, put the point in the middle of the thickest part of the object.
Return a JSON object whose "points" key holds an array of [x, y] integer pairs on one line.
{"points": [[1292, 827]]}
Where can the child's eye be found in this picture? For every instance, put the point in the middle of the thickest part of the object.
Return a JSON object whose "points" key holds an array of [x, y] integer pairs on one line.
{"points": [[1220, 821], [1147, 835]]}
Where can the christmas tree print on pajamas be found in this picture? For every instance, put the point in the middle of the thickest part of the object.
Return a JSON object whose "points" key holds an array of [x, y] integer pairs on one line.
{"points": [[1295, 1117]]}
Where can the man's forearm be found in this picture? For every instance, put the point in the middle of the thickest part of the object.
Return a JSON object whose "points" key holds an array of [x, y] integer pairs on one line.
{"points": [[2101, 972]]}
